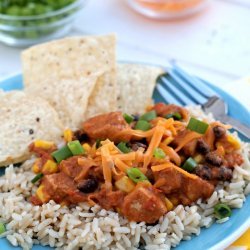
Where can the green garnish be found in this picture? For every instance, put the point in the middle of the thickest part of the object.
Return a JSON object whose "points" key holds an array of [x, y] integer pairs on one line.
{"points": [[189, 165], [37, 178], [98, 143], [142, 125], [123, 147], [62, 154], [222, 211], [175, 116], [2, 228], [75, 147], [128, 118], [159, 153], [136, 175], [197, 126], [148, 116]]}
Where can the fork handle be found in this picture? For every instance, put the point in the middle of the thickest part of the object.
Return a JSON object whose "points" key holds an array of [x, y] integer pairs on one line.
{"points": [[241, 128]]}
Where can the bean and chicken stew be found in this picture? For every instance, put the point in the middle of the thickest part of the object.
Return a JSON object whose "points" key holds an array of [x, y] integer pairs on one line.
{"points": [[142, 166]]}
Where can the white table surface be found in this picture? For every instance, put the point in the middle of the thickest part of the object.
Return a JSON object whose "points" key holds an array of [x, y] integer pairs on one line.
{"points": [[213, 44]]}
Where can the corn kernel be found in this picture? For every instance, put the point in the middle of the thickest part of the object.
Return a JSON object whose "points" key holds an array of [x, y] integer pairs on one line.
{"points": [[41, 195], [86, 147], [44, 144], [198, 158], [169, 204], [36, 166], [50, 167], [233, 141], [174, 201], [68, 135], [144, 183], [125, 184], [168, 140]]}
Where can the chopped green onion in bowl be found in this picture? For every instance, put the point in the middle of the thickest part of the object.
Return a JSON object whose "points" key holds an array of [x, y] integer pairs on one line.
{"points": [[159, 153], [62, 154], [32, 7], [148, 116], [25, 23], [37, 178], [222, 211], [197, 125], [143, 125], [123, 147], [75, 147], [128, 118], [189, 165], [136, 175]]}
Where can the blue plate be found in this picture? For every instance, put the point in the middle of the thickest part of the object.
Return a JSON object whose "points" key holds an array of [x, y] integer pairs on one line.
{"points": [[218, 236]]}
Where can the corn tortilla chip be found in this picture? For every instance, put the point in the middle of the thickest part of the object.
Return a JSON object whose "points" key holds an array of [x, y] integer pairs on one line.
{"points": [[135, 85], [24, 119], [65, 72], [103, 98]]}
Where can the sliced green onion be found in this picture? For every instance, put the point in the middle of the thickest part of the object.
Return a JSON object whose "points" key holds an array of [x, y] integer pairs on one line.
{"points": [[37, 178], [222, 211], [159, 153], [128, 118], [123, 147], [62, 154], [148, 116], [189, 165], [143, 125], [197, 126], [98, 143], [175, 116], [75, 147], [136, 175], [2, 228]]}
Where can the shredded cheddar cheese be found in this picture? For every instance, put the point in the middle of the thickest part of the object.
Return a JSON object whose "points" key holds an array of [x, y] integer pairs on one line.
{"points": [[154, 143], [169, 165]]}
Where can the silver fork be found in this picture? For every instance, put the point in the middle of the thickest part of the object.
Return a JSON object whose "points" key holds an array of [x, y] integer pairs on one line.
{"points": [[178, 87]]}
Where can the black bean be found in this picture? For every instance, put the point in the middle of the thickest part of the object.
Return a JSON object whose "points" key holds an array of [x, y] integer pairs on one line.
{"points": [[88, 186], [214, 159], [80, 135], [136, 117], [204, 172], [219, 131], [31, 131], [202, 147], [222, 173], [38, 119]]}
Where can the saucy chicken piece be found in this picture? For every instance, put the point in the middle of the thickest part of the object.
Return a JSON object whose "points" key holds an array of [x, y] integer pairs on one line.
{"points": [[107, 126], [62, 188], [163, 109], [185, 189], [143, 204], [190, 148], [108, 199], [71, 167]]}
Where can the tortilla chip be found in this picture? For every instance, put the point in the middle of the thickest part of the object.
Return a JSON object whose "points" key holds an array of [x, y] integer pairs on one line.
{"points": [[135, 86], [103, 98], [24, 119], [65, 72]]}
